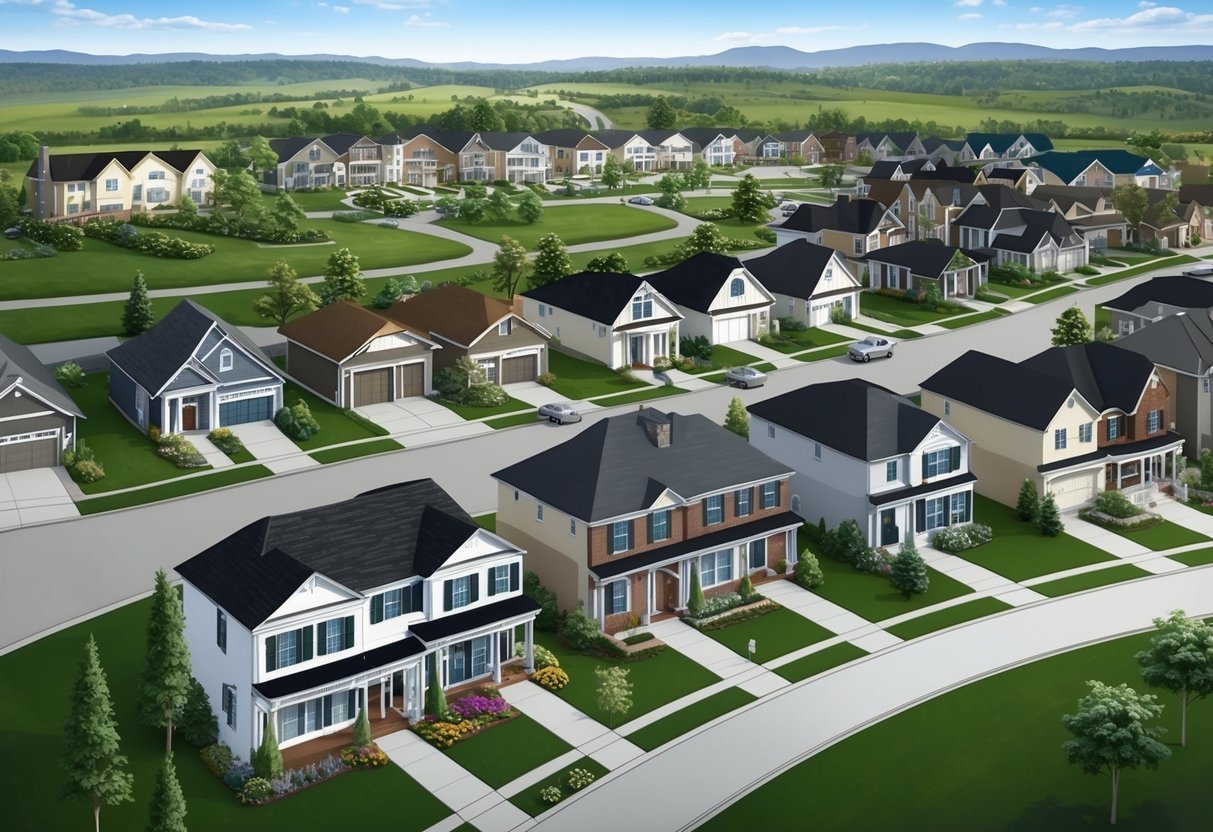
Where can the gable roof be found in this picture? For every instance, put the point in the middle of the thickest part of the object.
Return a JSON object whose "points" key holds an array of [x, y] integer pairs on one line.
{"points": [[339, 330], [1183, 341], [288, 148], [76, 167], [886, 168], [617, 138], [928, 258], [946, 173], [454, 312], [18, 362], [1184, 292], [703, 136], [933, 143], [696, 281], [998, 142], [565, 137], [1068, 165], [856, 216], [1196, 193], [612, 468], [1067, 196], [452, 140], [497, 140], [792, 269], [1106, 376], [599, 296], [153, 358], [342, 142], [379, 537], [1002, 388]]}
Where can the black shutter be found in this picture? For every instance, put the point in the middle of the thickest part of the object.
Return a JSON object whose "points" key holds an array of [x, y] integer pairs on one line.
{"points": [[610, 533], [924, 466], [956, 458], [448, 588], [493, 580], [705, 511], [515, 576], [271, 653], [418, 601], [737, 503], [376, 608], [322, 631], [328, 710], [649, 524], [221, 629], [351, 710], [920, 515], [349, 633], [473, 588], [631, 533], [307, 643]]}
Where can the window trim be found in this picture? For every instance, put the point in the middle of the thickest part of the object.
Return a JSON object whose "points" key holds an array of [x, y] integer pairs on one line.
{"points": [[227, 360], [728, 555], [769, 490], [221, 629], [608, 598], [709, 509], [1059, 439], [890, 471]]}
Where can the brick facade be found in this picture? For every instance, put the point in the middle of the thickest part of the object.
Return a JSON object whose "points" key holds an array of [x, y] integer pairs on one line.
{"points": [[1135, 426]]}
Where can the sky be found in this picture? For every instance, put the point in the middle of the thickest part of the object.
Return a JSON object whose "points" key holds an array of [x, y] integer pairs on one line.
{"points": [[523, 31]]}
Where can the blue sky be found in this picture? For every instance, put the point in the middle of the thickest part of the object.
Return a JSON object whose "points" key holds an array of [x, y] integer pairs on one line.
{"points": [[524, 30]]}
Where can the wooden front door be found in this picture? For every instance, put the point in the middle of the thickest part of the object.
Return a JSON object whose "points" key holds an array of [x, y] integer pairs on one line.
{"points": [[189, 417]]}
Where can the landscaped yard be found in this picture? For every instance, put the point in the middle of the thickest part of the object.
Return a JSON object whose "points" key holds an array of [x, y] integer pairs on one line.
{"points": [[723, 357], [578, 379], [1199, 557], [692, 716], [528, 799], [1142, 269], [932, 621], [823, 354], [511, 405], [1052, 294], [574, 224], [508, 751], [336, 425], [1164, 535], [1090, 580], [173, 488], [988, 756], [375, 446], [642, 395], [803, 340], [900, 312], [526, 418], [774, 634], [821, 661], [1018, 551], [329, 200]]}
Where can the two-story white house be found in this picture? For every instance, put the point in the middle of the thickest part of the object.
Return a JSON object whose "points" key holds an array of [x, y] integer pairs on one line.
{"points": [[716, 147], [808, 282], [862, 452], [615, 319], [717, 296], [674, 150], [304, 618]]}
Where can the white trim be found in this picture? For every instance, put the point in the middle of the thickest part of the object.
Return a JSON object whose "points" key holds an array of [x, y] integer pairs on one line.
{"points": [[35, 415], [34, 436], [258, 392]]}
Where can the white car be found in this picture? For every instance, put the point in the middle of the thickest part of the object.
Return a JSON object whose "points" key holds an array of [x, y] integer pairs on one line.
{"points": [[560, 413], [745, 377], [871, 347]]}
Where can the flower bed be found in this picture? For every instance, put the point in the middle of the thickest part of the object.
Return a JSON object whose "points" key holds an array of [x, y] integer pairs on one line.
{"points": [[736, 615], [150, 242], [251, 790], [718, 605], [466, 717], [953, 539], [1138, 521], [364, 756]]}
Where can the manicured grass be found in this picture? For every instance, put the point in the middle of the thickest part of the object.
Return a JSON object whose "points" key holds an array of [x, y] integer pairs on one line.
{"points": [[655, 681], [527, 418], [528, 799], [1018, 551], [506, 752], [487, 521], [177, 488], [1142, 269], [580, 379], [775, 634], [329, 200], [375, 446], [1164, 535], [511, 405], [692, 716], [821, 661], [336, 425], [980, 317], [1199, 557], [988, 756], [929, 623], [903, 313], [639, 396], [35, 684], [1090, 580], [822, 355], [574, 224], [1052, 294], [790, 342], [725, 357], [897, 333], [241, 457]]}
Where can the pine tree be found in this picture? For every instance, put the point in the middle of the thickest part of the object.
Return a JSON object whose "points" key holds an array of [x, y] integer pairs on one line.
{"points": [[435, 696], [552, 261], [909, 575], [137, 315], [267, 759], [168, 802], [1049, 522], [165, 682], [96, 771], [1072, 328], [747, 201], [362, 728], [287, 296], [807, 571], [1206, 469], [1028, 506], [509, 264], [196, 723], [695, 599], [342, 278], [737, 419]]}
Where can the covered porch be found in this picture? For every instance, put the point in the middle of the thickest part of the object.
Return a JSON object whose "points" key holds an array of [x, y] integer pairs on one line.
{"points": [[1139, 468]]}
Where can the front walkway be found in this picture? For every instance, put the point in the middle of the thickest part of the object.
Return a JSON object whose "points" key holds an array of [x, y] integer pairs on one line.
{"points": [[214, 457], [717, 658], [588, 736], [982, 580]]}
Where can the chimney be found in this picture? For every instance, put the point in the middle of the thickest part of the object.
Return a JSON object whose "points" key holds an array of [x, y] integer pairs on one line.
{"points": [[657, 426], [41, 182], [844, 197]]}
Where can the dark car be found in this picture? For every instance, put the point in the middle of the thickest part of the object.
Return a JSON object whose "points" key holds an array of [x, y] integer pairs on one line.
{"points": [[12, 233]]}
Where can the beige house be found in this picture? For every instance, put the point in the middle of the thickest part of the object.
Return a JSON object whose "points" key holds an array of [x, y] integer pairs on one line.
{"points": [[572, 152], [513, 157], [304, 162], [426, 158], [852, 227]]}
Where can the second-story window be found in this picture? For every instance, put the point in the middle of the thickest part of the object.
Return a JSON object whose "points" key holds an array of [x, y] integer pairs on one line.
{"points": [[397, 602], [334, 635], [770, 495], [285, 649], [1084, 432], [642, 306], [225, 360], [111, 185], [659, 526], [459, 592], [221, 629], [503, 579], [1113, 428], [942, 461], [743, 502], [1154, 421], [620, 536], [890, 471], [713, 510], [1059, 438], [736, 287]]}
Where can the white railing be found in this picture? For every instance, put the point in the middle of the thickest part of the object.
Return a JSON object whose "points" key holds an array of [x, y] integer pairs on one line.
{"points": [[1143, 494]]}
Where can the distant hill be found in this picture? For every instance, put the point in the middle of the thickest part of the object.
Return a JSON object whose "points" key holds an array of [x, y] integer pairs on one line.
{"points": [[770, 57]]}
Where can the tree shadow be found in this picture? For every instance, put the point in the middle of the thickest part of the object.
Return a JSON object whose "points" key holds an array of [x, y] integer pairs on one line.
{"points": [[1054, 815]]}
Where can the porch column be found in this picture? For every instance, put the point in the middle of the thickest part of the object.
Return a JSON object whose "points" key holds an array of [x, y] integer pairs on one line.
{"points": [[528, 664], [600, 607], [792, 556], [382, 698], [648, 597], [495, 655]]}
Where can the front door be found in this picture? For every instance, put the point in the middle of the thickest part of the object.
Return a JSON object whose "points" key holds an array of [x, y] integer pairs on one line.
{"points": [[888, 527], [636, 349], [189, 417]]}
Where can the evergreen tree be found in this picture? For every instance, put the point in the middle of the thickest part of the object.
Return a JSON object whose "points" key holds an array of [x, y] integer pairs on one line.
{"points": [[737, 419], [168, 802], [196, 723], [137, 314], [552, 261], [509, 264], [499, 206], [1072, 328], [695, 599], [746, 588], [612, 172], [1206, 469], [747, 201], [1180, 659], [267, 759], [909, 575], [362, 728], [1028, 505], [187, 208], [614, 263], [287, 295], [286, 213], [389, 294], [342, 278], [530, 208], [1049, 522], [661, 115], [165, 682], [435, 696], [96, 771], [807, 571]]}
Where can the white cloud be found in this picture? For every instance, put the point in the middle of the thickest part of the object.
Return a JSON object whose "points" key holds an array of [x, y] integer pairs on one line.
{"points": [[71, 15], [1154, 17], [970, 16], [394, 5], [341, 9], [999, 2], [425, 22], [1035, 10], [780, 33], [1065, 11], [1146, 4], [967, 3]]}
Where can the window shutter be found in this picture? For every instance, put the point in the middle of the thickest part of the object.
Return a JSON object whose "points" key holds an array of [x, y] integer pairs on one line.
{"points": [[376, 608], [920, 515], [349, 632], [221, 629], [956, 458], [515, 576], [328, 710], [418, 600], [631, 534], [777, 486], [271, 653], [473, 588], [649, 526], [351, 708], [307, 643], [705, 511], [924, 466], [322, 641], [610, 536], [737, 503], [493, 580], [448, 588]]}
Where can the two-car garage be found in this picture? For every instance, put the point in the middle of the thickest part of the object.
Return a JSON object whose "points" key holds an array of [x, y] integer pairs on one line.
{"points": [[386, 384], [1072, 490]]}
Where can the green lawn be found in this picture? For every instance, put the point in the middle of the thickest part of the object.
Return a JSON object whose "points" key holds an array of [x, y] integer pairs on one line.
{"points": [[897, 333], [1164, 535], [375, 446], [329, 200], [988, 756], [487, 521], [967, 320], [514, 421], [528, 799], [35, 684], [336, 425], [574, 224], [511, 405], [822, 355], [1052, 294], [725, 357], [655, 681], [1090, 580], [578, 379], [900, 312], [175, 488], [775, 634], [790, 342], [1142, 269], [508, 751], [821, 661], [692, 716], [642, 395], [932, 621], [1018, 551], [1199, 557]]}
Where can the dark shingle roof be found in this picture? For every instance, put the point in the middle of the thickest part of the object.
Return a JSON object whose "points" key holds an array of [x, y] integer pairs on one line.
{"points": [[1067, 165], [928, 258], [998, 142], [376, 538], [854, 417], [703, 136], [792, 269], [856, 216], [76, 167], [696, 281], [16, 361], [616, 138], [452, 140], [289, 147], [341, 669], [565, 137], [1106, 376], [1065, 196], [946, 173], [599, 296], [1185, 292], [612, 467], [504, 141], [885, 168], [341, 142], [1183, 342], [1003, 388]]}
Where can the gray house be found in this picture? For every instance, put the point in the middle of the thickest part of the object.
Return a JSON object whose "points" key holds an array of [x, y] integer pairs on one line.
{"points": [[1156, 299], [193, 371], [37, 416]]}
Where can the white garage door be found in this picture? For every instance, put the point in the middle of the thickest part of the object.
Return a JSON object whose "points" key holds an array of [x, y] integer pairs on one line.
{"points": [[1074, 489], [725, 330]]}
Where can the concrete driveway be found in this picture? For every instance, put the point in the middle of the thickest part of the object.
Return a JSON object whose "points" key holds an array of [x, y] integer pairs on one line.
{"points": [[34, 496], [410, 415], [269, 445]]}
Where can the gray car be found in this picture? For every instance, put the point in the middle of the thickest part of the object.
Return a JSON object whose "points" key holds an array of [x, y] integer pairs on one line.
{"points": [[559, 412], [874, 346], [641, 200], [745, 377]]}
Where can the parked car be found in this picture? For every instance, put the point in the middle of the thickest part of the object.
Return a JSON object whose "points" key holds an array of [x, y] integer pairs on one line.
{"points": [[1198, 271], [745, 377], [641, 200], [872, 346], [789, 209], [13, 233], [560, 413]]}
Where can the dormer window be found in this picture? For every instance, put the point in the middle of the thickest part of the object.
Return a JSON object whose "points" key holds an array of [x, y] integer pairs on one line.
{"points": [[642, 306], [504, 327], [313, 153], [736, 287], [225, 360]]}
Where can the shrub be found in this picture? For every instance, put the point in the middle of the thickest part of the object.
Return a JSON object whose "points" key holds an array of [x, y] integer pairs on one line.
{"points": [[695, 599], [353, 216], [579, 631], [845, 542], [69, 374], [297, 421], [472, 707], [362, 728], [1049, 522], [364, 756], [180, 451], [152, 242], [483, 395], [1115, 504], [267, 759], [196, 722], [60, 236], [218, 758], [808, 571], [238, 773], [909, 575], [874, 561], [953, 539], [696, 347], [932, 297], [543, 656], [449, 382], [388, 295], [791, 325], [1027, 508], [722, 603], [87, 470], [225, 440], [746, 588], [765, 234], [442, 734], [625, 372], [1190, 477], [1087, 270], [551, 795], [256, 790], [781, 566], [838, 315], [549, 615], [546, 379], [552, 678], [153, 433], [579, 778]]}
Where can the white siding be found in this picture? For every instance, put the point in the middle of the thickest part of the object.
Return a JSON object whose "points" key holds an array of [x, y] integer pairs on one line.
{"points": [[213, 668]]}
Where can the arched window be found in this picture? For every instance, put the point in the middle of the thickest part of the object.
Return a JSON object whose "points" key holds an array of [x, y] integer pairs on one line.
{"points": [[225, 360], [736, 288]]}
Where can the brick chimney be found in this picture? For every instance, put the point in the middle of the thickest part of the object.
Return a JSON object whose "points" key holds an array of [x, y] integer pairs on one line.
{"points": [[657, 426]]}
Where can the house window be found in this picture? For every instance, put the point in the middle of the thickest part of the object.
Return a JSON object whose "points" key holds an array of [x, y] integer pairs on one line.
{"points": [[890, 471], [817, 451], [621, 536], [1059, 438], [288, 648], [141, 406], [1154, 421], [334, 635], [602, 330], [642, 306], [538, 512], [713, 510], [393, 603], [858, 246], [111, 186], [947, 408], [743, 502], [960, 508], [503, 328], [758, 553], [771, 430], [489, 368], [227, 697], [1204, 384], [736, 287], [155, 174], [313, 153], [616, 600], [157, 195], [716, 568], [221, 629], [1084, 432], [1113, 428], [770, 495], [225, 360], [572, 526], [503, 579], [659, 526], [936, 511], [459, 592], [936, 463], [541, 310]]}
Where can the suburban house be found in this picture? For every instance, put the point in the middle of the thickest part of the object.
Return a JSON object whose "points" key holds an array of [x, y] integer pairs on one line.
{"points": [[572, 152], [515, 157], [1007, 145], [355, 357], [633, 150], [1202, 196], [422, 156], [896, 170], [675, 151], [717, 297], [863, 453], [193, 371], [1171, 223], [1089, 211], [303, 619], [618, 516], [1074, 420], [952, 151], [361, 157], [304, 162], [78, 186], [884, 145], [838, 147], [928, 209], [37, 416], [1150, 302], [615, 319], [1038, 240], [921, 264], [802, 144], [715, 146], [506, 346], [1022, 179], [764, 149], [850, 226], [807, 281], [1104, 168]]}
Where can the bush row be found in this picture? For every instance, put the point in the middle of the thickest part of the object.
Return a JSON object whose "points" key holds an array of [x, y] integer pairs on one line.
{"points": [[60, 236], [151, 242], [216, 224]]}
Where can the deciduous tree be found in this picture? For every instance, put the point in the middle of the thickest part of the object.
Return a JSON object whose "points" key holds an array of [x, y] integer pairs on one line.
{"points": [[165, 682], [262, 155], [1131, 200], [473, 209], [552, 261], [287, 295], [1072, 328], [286, 213], [1180, 659], [509, 265], [612, 172], [747, 201], [499, 206], [707, 236], [530, 208], [342, 278], [614, 263], [661, 115], [699, 176], [614, 692], [737, 419]]}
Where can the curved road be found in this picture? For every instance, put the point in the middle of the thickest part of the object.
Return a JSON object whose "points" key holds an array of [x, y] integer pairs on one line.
{"points": [[596, 119]]}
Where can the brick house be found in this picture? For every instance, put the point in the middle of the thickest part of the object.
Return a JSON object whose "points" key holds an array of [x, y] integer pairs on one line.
{"points": [[618, 516]]}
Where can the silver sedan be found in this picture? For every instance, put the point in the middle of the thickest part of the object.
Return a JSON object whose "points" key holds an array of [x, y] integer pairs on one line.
{"points": [[871, 347], [745, 377], [559, 412]]}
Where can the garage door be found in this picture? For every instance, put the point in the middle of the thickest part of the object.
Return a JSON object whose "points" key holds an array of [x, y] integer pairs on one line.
{"points": [[730, 329], [413, 380], [520, 368], [21, 456], [373, 386], [1073, 490], [243, 411]]}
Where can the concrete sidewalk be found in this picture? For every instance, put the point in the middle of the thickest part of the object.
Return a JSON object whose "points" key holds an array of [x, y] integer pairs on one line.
{"points": [[580, 731], [717, 658]]}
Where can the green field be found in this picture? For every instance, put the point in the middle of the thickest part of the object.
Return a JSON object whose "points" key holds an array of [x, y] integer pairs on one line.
{"points": [[574, 224]]}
